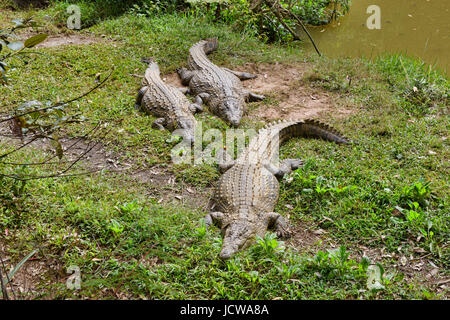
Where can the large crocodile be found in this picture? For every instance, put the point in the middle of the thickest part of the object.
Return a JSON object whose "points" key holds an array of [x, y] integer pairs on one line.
{"points": [[246, 194], [168, 103], [219, 88]]}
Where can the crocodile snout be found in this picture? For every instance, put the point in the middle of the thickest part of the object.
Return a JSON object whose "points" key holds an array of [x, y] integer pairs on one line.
{"points": [[234, 122], [238, 236]]}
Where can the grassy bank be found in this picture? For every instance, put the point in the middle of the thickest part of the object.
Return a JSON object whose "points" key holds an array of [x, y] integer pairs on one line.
{"points": [[383, 200]]}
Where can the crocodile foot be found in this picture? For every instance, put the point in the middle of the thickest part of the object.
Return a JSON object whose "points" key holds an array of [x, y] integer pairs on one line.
{"points": [[280, 225]]}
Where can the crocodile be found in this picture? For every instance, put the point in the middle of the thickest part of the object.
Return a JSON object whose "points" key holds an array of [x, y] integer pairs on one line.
{"points": [[168, 103], [244, 199], [219, 88]]}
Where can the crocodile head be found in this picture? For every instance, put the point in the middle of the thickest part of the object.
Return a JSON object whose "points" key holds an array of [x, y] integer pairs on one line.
{"points": [[231, 110], [239, 235]]}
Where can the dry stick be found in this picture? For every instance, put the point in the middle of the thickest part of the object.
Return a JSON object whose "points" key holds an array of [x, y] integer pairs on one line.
{"points": [[8, 281], [4, 292], [306, 31], [61, 174], [51, 176], [47, 161], [277, 10]]}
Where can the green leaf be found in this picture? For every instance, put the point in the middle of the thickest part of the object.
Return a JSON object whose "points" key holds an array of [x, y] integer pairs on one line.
{"points": [[34, 40], [58, 147], [13, 272]]}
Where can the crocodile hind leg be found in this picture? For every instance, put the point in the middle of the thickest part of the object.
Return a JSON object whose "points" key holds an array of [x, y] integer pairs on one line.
{"points": [[278, 223], [184, 90], [241, 75], [202, 98], [215, 218], [159, 123], [185, 75], [253, 97], [139, 97], [197, 106], [285, 167]]}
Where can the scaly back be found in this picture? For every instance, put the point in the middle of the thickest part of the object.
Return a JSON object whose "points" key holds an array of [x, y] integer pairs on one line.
{"points": [[198, 54]]}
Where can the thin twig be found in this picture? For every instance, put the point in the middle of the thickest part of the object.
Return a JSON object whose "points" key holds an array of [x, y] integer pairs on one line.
{"points": [[22, 146], [59, 103], [306, 31], [61, 173], [46, 162]]}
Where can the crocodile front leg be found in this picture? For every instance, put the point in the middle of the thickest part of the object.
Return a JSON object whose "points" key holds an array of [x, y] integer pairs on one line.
{"points": [[278, 223], [159, 123], [185, 75], [197, 106], [286, 166], [241, 75], [253, 97], [215, 218]]}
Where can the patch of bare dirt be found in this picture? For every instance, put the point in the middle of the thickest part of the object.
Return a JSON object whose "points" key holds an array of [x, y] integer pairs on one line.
{"points": [[307, 239], [34, 272], [296, 100], [173, 79], [66, 39], [93, 154], [283, 82]]}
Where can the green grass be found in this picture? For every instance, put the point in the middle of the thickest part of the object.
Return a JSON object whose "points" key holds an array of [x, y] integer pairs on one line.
{"points": [[387, 191]]}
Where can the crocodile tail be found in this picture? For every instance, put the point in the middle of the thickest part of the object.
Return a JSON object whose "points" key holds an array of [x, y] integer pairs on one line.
{"points": [[311, 128], [197, 58], [210, 45], [152, 70]]}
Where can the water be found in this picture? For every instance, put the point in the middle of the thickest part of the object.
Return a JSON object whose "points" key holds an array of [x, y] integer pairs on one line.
{"points": [[417, 28]]}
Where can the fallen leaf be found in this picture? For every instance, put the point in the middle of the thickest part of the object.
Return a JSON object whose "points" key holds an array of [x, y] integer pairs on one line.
{"points": [[190, 190]]}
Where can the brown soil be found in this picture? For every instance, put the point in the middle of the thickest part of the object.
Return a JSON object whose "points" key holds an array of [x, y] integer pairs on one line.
{"points": [[284, 83], [65, 39], [296, 100]]}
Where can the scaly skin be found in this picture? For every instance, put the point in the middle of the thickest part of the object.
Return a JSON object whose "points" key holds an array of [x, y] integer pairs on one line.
{"points": [[247, 192], [167, 103], [219, 88]]}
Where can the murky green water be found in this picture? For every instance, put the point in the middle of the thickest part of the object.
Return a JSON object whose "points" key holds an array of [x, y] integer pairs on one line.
{"points": [[418, 28]]}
